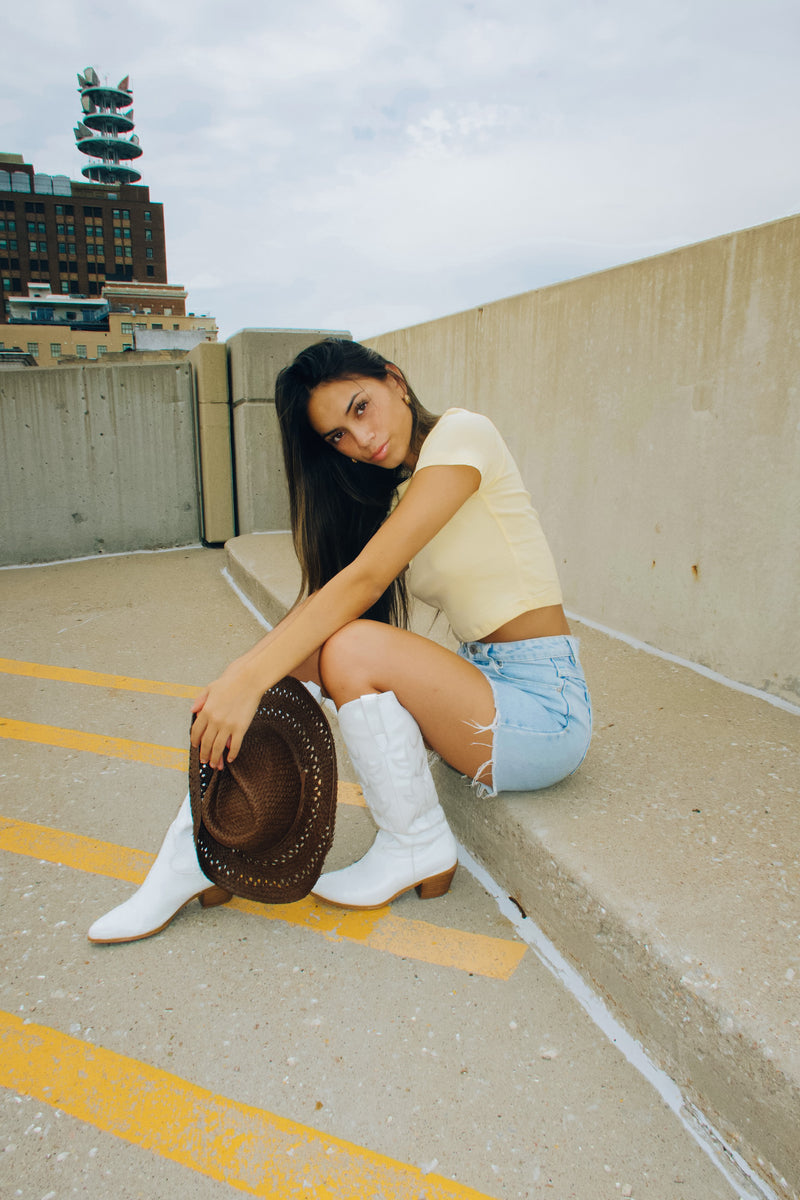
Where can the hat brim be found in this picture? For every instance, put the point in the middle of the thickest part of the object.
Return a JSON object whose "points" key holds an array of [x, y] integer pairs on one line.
{"points": [[287, 870]]}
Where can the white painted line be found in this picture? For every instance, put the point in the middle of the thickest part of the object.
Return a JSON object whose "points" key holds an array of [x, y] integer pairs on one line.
{"points": [[251, 608], [60, 562], [778, 701], [730, 1164]]}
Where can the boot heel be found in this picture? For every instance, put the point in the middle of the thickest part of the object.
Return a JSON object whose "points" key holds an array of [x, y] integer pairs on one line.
{"points": [[437, 885], [213, 896]]}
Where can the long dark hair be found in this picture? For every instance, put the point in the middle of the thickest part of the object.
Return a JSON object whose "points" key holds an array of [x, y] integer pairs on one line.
{"points": [[336, 505]]}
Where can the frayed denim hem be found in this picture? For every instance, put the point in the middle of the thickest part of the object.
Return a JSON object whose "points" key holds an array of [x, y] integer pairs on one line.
{"points": [[484, 791]]}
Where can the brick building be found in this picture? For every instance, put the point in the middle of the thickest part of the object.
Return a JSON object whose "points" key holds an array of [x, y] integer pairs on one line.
{"points": [[75, 237]]}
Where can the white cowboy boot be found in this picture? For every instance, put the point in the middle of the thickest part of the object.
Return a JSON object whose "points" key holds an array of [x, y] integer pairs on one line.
{"points": [[414, 846], [173, 880]]}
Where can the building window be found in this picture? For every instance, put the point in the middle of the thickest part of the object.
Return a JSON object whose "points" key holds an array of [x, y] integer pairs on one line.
{"points": [[42, 227], [32, 247], [151, 270], [128, 252], [148, 235], [142, 325], [101, 351], [147, 216], [60, 210], [80, 351], [149, 252], [31, 227], [126, 234], [33, 348], [126, 327], [155, 325], [127, 345], [175, 325], [65, 286], [55, 349], [6, 285], [43, 247], [126, 216]]}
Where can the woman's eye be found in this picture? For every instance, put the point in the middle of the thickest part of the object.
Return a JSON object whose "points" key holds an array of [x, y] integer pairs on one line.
{"points": [[362, 404], [335, 438]]}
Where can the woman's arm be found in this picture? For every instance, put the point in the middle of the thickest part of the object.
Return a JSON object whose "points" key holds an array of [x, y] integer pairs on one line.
{"points": [[226, 707]]}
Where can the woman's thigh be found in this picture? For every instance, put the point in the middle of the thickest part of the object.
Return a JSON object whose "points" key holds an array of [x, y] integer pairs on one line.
{"points": [[450, 699]]}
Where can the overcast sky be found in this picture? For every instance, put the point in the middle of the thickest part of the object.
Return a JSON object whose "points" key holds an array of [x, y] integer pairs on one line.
{"points": [[370, 164]]}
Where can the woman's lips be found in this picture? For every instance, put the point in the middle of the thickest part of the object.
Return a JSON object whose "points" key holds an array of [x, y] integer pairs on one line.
{"points": [[380, 454]]}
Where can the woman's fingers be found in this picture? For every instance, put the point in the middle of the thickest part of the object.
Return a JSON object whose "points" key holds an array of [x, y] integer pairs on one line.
{"points": [[223, 713]]}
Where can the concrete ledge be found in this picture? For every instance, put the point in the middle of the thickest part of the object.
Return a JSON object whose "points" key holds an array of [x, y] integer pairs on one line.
{"points": [[667, 869]]}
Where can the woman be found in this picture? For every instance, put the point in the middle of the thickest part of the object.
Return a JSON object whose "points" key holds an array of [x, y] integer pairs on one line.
{"points": [[377, 483]]}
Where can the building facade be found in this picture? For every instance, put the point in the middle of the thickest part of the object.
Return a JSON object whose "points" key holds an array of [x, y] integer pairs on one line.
{"points": [[75, 237], [53, 328]]}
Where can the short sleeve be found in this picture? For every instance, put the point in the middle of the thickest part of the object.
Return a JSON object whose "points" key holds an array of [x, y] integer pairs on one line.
{"points": [[462, 438]]}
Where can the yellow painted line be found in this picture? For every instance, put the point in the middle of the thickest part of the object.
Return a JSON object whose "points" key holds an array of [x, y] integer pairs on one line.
{"points": [[172, 757], [381, 929], [96, 743], [350, 793], [12, 666], [250, 1149]]}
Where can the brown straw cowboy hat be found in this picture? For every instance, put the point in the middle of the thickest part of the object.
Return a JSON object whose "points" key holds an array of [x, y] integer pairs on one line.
{"points": [[263, 824]]}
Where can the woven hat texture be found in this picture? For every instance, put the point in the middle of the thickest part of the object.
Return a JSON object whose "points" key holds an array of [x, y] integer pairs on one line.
{"points": [[263, 824]]}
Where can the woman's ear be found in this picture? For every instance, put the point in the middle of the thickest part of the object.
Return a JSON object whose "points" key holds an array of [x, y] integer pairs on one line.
{"points": [[395, 375]]}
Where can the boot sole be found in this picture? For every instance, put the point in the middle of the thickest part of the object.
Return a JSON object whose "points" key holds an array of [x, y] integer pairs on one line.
{"points": [[210, 898], [427, 889]]}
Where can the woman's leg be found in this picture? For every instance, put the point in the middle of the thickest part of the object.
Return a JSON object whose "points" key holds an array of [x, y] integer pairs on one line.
{"points": [[391, 687], [450, 699], [174, 879]]}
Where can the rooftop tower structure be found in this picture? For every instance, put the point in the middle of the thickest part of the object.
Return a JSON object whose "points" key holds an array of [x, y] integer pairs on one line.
{"points": [[100, 132]]}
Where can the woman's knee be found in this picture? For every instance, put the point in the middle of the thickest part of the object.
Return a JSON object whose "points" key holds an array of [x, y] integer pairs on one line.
{"points": [[346, 654]]}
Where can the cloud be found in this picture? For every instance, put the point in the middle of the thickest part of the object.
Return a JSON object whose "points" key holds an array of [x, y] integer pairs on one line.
{"points": [[365, 163]]}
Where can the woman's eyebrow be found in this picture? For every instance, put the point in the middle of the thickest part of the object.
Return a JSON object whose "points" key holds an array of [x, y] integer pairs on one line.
{"points": [[346, 411]]}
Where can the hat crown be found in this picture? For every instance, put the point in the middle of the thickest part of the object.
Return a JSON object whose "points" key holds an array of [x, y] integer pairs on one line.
{"points": [[253, 809]]}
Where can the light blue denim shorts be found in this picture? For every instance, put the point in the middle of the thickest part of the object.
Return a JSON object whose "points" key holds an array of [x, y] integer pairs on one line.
{"points": [[543, 721]]}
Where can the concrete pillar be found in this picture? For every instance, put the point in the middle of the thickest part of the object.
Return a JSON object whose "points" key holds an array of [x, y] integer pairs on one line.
{"points": [[209, 362], [256, 356]]}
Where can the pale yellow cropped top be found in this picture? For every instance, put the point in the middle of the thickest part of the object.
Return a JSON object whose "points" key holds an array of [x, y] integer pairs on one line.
{"points": [[491, 561]]}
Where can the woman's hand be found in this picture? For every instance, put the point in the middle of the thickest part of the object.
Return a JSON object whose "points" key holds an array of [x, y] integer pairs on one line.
{"points": [[224, 711]]}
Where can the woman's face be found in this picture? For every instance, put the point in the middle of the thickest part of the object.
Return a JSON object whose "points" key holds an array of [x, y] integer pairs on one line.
{"points": [[364, 418]]}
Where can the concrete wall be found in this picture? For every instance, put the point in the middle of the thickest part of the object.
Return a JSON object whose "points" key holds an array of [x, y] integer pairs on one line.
{"points": [[209, 363], [654, 410], [256, 357], [96, 459]]}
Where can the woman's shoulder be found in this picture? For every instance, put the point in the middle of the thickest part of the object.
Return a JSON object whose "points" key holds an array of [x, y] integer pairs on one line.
{"points": [[461, 436], [457, 423]]}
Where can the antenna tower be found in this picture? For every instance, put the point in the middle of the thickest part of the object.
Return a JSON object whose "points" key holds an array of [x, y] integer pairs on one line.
{"points": [[99, 133]]}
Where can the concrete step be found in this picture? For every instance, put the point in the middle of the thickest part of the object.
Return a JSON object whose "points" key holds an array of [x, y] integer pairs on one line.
{"points": [[667, 869]]}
